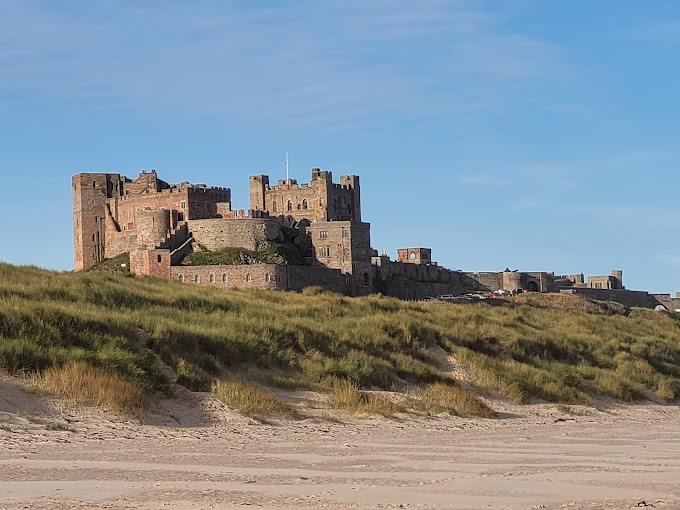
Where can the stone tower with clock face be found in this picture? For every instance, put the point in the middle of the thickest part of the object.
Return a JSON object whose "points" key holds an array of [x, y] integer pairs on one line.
{"points": [[415, 255]]}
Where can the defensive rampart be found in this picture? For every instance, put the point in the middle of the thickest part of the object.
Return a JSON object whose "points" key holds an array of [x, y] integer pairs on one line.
{"points": [[248, 233]]}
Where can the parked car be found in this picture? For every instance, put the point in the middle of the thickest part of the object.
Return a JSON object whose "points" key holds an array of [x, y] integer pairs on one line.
{"points": [[446, 297]]}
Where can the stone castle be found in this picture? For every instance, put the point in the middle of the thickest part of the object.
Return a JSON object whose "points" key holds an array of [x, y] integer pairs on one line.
{"points": [[160, 224]]}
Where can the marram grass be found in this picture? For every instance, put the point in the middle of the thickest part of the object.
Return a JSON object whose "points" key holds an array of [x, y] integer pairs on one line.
{"points": [[557, 348], [251, 401]]}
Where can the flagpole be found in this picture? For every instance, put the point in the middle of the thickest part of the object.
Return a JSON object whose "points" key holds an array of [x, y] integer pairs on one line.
{"points": [[286, 166]]}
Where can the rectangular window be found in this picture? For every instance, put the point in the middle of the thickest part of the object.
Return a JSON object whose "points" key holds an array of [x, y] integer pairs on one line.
{"points": [[182, 205], [345, 232], [323, 234]]}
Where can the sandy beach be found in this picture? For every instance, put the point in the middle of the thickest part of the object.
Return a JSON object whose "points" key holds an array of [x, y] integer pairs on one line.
{"points": [[195, 453]]}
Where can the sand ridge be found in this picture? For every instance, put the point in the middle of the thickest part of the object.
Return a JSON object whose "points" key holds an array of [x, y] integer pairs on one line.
{"points": [[194, 452]]}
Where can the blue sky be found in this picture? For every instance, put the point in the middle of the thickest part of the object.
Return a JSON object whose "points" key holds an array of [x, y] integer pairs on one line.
{"points": [[534, 135]]}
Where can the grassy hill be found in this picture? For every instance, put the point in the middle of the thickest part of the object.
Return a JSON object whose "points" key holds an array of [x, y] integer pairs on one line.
{"points": [[83, 331]]}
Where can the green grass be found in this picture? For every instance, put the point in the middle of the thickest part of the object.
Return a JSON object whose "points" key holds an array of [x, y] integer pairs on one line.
{"points": [[273, 253], [562, 349], [116, 265]]}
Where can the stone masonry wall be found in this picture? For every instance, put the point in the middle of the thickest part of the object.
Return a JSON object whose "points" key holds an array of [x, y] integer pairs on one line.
{"points": [[248, 233], [150, 263], [627, 298], [300, 277], [256, 276], [121, 242]]}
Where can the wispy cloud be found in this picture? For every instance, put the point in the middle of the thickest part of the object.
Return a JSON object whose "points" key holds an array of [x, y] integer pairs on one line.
{"points": [[313, 63], [485, 180], [665, 32]]}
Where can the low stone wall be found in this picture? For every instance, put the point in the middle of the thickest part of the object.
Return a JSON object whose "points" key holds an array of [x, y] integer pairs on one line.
{"points": [[671, 304], [628, 298], [300, 277], [252, 276], [404, 288], [261, 276], [248, 233]]}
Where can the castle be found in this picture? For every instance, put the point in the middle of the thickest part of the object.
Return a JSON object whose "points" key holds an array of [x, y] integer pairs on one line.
{"points": [[160, 225]]}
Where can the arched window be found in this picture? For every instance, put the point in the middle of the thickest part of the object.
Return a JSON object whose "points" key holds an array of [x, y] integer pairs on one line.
{"points": [[94, 184], [212, 278], [266, 277], [274, 206], [248, 277], [224, 278], [197, 278], [366, 279], [181, 278], [290, 205], [304, 204], [298, 207]]}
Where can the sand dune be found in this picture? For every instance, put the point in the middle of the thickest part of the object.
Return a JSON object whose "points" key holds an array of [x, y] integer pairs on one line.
{"points": [[195, 453]]}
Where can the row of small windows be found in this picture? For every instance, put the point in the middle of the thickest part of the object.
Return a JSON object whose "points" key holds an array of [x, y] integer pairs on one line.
{"points": [[225, 278], [289, 205]]}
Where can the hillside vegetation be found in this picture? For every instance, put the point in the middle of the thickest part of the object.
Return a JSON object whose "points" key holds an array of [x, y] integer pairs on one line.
{"points": [[553, 347], [273, 253]]}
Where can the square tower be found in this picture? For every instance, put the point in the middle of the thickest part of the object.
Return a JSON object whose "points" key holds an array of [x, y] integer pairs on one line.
{"points": [[414, 255]]}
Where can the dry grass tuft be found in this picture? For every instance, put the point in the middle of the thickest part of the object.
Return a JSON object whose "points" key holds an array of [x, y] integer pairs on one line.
{"points": [[449, 398], [84, 384], [347, 395], [251, 401]]}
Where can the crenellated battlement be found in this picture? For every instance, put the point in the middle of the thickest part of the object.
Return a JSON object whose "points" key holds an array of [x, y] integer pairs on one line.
{"points": [[321, 199]]}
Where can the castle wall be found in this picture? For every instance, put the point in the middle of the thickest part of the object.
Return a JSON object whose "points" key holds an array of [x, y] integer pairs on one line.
{"points": [[257, 276], [248, 233], [261, 276], [121, 242], [671, 304], [300, 277], [407, 289], [627, 298], [490, 282]]}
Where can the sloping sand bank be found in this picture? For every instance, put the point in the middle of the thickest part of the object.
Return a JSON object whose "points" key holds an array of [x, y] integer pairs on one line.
{"points": [[535, 457]]}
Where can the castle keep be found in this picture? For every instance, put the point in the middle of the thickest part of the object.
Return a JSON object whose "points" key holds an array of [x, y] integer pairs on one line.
{"points": [[163, 225], [159, 224]]}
